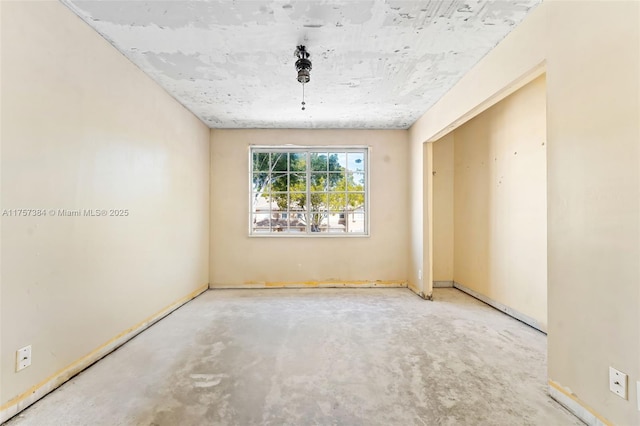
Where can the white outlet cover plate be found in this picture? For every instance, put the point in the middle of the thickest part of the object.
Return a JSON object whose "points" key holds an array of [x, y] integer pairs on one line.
{"points": [[23, 358], [618, 382]]}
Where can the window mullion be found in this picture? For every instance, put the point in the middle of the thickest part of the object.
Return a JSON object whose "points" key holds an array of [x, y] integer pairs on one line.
{"points": [[288, 219], [269, 192], [308, 190]]}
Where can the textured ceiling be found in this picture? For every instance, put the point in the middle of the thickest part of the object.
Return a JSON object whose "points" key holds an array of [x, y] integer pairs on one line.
{"points": [[377, 65]]}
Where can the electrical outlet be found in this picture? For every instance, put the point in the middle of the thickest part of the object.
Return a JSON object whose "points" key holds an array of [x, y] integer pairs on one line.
{"points": [[23, 358], [419, 274], [618, 382]]}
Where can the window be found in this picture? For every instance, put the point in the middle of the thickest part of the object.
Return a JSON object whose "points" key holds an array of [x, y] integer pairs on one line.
{"points": [[309, 191]]}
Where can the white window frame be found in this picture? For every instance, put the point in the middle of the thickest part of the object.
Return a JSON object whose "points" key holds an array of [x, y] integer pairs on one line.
{"points": [[366, 150]]}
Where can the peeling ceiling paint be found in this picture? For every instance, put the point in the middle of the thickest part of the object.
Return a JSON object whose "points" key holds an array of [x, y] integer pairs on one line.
{"points": [[376, 65]]}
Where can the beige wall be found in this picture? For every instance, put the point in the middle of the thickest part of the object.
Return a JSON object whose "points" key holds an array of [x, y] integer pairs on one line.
{"points": [[237, 259], [417, 216], [425, 275], [500, 219], [443, 208], [591, 51], [83, 128], [594, 201], [420, 210]]}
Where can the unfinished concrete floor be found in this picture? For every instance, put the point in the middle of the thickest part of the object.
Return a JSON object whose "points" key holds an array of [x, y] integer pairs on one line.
{"points": [[325, 357]]}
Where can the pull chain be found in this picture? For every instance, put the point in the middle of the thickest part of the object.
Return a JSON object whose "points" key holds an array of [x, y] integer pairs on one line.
{"points": [[303, 103]]}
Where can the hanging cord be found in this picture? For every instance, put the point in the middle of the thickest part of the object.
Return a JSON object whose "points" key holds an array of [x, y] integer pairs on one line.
{"points": [[303, 103]]}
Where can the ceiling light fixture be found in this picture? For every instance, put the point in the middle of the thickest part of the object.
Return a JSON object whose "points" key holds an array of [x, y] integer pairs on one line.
{"points": [[303, 66]]}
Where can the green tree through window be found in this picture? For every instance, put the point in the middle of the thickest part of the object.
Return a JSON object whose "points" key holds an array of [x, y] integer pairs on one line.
{"points": [[308, 191]]}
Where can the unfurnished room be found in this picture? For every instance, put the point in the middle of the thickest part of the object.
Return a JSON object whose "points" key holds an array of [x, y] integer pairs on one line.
{"points": [[320, 212]]}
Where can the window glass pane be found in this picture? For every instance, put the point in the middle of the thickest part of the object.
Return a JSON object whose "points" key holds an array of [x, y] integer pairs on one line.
{"points": [[260, 161], [319, 162], [261, 222], [355, 182], [297, 182], [336, 181], [355, 200], [355, 223], [297, 223], [337, 201], [318, 182], [280, 201], [298, 201], [319, 201], [355, 161], [318, 222], [259, 181], [341, 160], [278, 222], [260, 203], [279, 162], [279, 182], [336, 222], [298, 161], [334, 162]]}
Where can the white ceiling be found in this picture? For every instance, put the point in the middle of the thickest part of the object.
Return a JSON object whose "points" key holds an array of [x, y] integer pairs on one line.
{"points": [[376, 65]]}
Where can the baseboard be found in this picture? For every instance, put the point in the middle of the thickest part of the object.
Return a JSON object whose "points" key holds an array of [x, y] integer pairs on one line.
{"points": [[314, 284], [578, 408], [442, 284], [499, 306], [24, 400]]}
